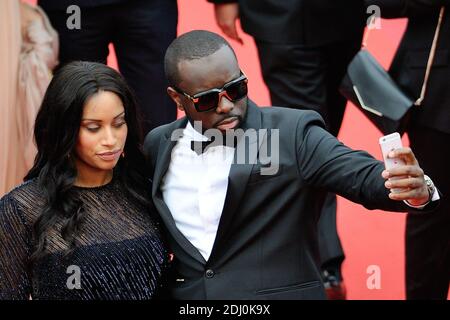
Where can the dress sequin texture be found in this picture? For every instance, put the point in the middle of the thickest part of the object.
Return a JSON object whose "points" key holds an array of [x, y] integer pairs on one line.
{"points": [[119, 252]]}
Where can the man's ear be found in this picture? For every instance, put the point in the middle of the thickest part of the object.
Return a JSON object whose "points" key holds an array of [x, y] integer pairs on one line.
{"points": [[175, 96]]}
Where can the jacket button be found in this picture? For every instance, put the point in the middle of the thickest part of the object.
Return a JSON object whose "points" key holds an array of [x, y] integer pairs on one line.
{"points": [[209, 273]]}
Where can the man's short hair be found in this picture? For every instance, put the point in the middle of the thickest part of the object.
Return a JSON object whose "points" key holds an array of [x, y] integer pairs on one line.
{"points": [[192, 45]]}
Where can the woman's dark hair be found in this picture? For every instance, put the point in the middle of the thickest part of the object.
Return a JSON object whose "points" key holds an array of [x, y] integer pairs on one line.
{"points": [[56, 133]]}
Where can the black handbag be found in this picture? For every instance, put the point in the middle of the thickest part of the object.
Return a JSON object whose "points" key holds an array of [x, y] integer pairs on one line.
{"points": [[368, 86]]}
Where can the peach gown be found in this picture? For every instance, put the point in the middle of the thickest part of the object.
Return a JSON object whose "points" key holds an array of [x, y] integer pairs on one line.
{"points": [[26, 61]]}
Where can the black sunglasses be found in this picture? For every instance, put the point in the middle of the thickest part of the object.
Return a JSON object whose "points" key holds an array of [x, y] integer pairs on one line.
{"points": [[208, 100]]}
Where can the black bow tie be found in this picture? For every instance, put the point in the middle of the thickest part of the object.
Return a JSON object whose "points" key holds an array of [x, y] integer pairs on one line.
{"points": [[201, 146]]}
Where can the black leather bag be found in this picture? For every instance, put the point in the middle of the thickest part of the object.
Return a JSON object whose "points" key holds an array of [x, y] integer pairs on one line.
{"points": [[372, 90]]}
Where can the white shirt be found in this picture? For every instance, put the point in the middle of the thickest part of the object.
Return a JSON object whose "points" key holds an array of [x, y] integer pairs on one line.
{"points": [[194, 189]]}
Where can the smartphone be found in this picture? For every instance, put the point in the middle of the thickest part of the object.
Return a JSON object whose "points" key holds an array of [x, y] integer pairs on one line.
{"points": [[389, 143]]}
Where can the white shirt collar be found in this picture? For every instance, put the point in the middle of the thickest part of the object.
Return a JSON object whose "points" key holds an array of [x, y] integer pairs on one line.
{"points": [[192, 134]]}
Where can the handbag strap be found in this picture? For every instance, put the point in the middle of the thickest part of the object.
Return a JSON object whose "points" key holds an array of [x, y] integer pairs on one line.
{"points": [[368, 31], [430, 58]]}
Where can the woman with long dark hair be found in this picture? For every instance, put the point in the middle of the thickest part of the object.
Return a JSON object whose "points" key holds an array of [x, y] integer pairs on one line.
{"points": [[81, 225]]}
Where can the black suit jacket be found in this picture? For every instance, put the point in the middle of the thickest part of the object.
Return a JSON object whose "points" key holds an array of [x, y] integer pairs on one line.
{"points": [[305, 22], [409, 64], [266, 243]]}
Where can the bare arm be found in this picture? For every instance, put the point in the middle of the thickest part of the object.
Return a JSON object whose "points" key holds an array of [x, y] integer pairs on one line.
{"points": [[227, 15]]}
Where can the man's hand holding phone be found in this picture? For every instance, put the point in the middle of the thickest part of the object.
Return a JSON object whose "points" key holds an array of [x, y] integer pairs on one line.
{"points": [[404, 177]]}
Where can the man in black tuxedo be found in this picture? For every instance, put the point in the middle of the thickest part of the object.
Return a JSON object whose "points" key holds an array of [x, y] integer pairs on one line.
{"points": [[242, 218], [304, 48], [140, 30], [427, 240]]}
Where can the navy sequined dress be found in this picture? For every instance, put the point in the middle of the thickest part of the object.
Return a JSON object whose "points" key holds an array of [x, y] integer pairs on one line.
{"points": [[119, 253]]}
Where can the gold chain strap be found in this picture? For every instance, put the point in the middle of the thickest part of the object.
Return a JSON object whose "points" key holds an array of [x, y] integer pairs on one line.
{"points": [[430, 58]]}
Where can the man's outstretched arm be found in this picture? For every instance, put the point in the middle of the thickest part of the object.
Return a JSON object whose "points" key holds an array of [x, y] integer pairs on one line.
{"points": [[324, 162]]}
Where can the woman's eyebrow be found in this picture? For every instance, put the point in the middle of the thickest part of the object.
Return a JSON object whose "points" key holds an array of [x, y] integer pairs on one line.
{"points": [[95, 120], [121, 114]]}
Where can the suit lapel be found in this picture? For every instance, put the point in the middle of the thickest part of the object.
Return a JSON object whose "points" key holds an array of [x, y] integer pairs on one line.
{"points": [[239, 175], [162, 164]]}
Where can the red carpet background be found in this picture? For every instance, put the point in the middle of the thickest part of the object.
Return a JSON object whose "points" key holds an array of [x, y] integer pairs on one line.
{"points": [[369, 238]]}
